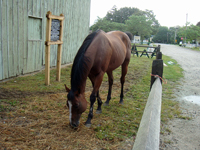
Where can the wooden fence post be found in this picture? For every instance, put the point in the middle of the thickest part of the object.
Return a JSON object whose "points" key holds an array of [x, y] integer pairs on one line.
{"points": [[157, 68], [59, 51], [47, 50]]}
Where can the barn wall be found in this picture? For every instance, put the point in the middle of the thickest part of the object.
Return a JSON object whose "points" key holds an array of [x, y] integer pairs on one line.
{"points": [[23, 33]]}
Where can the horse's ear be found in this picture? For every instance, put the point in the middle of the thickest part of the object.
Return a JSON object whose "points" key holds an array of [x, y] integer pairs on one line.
{"points": [[67, 89]]}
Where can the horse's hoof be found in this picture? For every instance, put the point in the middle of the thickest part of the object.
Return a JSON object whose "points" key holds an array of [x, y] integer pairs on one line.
{"points": [[98, 111], [122, 103], [106, 104], [88, 125]]}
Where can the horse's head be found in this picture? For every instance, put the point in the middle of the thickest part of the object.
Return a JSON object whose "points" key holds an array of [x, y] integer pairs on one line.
{"points": [[77, 104]]}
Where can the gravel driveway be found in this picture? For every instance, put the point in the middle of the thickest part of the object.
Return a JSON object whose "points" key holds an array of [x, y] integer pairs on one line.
{"points": [[185, 134]]}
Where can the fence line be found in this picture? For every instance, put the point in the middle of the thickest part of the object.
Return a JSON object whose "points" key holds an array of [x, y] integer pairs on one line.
{"points": [[135, 51], [148, 135]]}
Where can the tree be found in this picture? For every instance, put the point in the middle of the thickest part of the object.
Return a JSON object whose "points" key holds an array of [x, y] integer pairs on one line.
{"points": [[140, 25], [172, 35], [155, 24], [161, 36], [107, 26], [117, 20], [122, 14], [192, 32]]}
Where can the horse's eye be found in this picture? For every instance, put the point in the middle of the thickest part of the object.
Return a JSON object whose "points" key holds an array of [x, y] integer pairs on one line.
{"points": [[75, 106]]}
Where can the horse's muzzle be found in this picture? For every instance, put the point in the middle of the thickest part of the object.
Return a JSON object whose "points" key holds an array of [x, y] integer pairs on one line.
{"points": [[74, 125]]}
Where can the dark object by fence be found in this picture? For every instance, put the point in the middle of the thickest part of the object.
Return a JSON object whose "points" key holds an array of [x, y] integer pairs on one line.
{"points": [[148, 135], [157, 68], [134, 51], [144, 53], [154, 53]]}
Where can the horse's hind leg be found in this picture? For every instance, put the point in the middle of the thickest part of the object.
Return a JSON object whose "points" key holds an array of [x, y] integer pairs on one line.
{"points": [[122, 79], [110, 80]]}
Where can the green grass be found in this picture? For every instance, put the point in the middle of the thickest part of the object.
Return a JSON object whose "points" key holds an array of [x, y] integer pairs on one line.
{"points": [[196, 49], [116, 123]]}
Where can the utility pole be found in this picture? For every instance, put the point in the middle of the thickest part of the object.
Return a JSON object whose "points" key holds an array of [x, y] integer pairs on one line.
{"points": [[186, 27], [175, 35]]}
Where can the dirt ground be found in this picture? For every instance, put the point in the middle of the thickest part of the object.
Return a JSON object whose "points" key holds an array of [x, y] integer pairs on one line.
{"points": [[184, 134]]}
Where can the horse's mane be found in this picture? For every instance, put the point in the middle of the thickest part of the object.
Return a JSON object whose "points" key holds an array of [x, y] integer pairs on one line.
{"points": [[129, 35], [80, 70]]}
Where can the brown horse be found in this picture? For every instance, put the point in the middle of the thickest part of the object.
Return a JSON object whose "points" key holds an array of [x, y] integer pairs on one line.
{"points": [[100, 53]]}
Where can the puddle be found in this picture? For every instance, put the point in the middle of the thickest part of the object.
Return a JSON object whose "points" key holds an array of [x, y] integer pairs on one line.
{"points": [[192, 99]]}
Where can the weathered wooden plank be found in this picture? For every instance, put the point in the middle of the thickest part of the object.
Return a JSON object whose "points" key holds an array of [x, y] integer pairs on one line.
{"points": [[59, 53], [52, 47], [66, 48], [7, 42], [63, 6], [9, 38], [53, 42], [29, 56], [41, 45], [38, 56], [21, 42], [1, 51], [4, 40], [38, 8], [58, 66], [41, 42], [15, 35], [25, 48], [47, 52], [44, 12], [30, 7], [35, 11], [47, 65]]}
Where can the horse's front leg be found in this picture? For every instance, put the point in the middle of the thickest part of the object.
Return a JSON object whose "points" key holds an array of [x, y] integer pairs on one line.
{"points": [[96, 81], [90, 115]]}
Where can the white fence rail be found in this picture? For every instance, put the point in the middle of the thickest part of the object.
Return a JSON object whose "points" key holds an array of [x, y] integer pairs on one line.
{"points": [[148, 134]]}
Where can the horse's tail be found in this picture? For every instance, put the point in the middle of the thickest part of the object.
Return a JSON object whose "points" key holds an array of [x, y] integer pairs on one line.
{"points": [[129, 35]]}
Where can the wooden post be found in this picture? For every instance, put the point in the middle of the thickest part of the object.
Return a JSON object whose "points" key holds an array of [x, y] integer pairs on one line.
{"points": [[157, 68], [158, 50], [133, 50], [48, 42], [59, 51], [47, 50]]}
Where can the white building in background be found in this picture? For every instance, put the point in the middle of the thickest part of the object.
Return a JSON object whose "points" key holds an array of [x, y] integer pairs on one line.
{"points": [[136, 39]]}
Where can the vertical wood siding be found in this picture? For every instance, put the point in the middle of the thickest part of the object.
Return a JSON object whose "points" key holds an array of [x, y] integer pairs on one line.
{"points": [[23, 32]]}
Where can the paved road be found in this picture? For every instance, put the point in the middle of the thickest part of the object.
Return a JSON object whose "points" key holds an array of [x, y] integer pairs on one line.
{"points": [[185, 134]]}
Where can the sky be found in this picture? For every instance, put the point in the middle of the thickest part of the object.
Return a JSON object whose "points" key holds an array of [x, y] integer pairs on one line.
{"points": [[169, 13]]}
